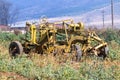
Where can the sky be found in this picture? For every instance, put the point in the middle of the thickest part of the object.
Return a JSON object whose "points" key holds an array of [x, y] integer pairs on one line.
{"points": [[86, 4]]}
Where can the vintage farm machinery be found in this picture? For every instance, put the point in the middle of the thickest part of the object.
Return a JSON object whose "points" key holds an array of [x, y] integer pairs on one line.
{"points": [[62, 37]]}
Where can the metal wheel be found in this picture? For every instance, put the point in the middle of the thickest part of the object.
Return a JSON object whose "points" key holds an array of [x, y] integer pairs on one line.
{"points": [[15, 49]]}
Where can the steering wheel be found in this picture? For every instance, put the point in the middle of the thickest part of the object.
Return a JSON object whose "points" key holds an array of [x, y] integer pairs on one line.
{"points": [[43, 19]]}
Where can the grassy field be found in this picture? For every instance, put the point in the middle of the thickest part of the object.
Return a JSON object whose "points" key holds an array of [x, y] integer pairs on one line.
{"points": [[47, 67]]}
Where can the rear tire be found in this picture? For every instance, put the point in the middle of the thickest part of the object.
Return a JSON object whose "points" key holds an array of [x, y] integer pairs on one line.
{"points": [[104, 52], [15, 49]]}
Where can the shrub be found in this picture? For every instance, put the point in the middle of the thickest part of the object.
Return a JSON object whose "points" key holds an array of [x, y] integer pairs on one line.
{"points": [[110, 35], [4, 36]]}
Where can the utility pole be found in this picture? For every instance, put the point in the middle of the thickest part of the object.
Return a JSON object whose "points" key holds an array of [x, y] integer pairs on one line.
{"points": [[112, 14], [103, 18]]}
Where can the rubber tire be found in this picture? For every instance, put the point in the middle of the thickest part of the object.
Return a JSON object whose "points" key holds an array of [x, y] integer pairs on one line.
{"points": [[79, 52], [17, 51], [104, 52]]}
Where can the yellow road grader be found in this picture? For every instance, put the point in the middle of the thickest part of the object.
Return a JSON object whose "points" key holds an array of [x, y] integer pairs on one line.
{"points": [[62, 37]]}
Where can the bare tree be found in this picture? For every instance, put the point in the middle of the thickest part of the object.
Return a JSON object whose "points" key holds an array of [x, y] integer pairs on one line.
{"points": [[8, 14], [4, 12]]}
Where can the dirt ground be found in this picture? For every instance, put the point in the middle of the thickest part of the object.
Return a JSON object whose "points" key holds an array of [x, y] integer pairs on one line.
{"points": [[11, 76]]}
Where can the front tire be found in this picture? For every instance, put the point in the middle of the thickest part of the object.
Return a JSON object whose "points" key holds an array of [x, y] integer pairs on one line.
{"points": [[77, 52], [15, 49]]}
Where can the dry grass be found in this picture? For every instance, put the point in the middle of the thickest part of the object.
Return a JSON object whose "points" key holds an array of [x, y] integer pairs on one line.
{"points": [[42, 61]]}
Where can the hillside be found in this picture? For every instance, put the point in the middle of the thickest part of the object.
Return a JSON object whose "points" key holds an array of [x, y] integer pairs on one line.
{"points": [[93, 17], [33, 9], [96, 16]]}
